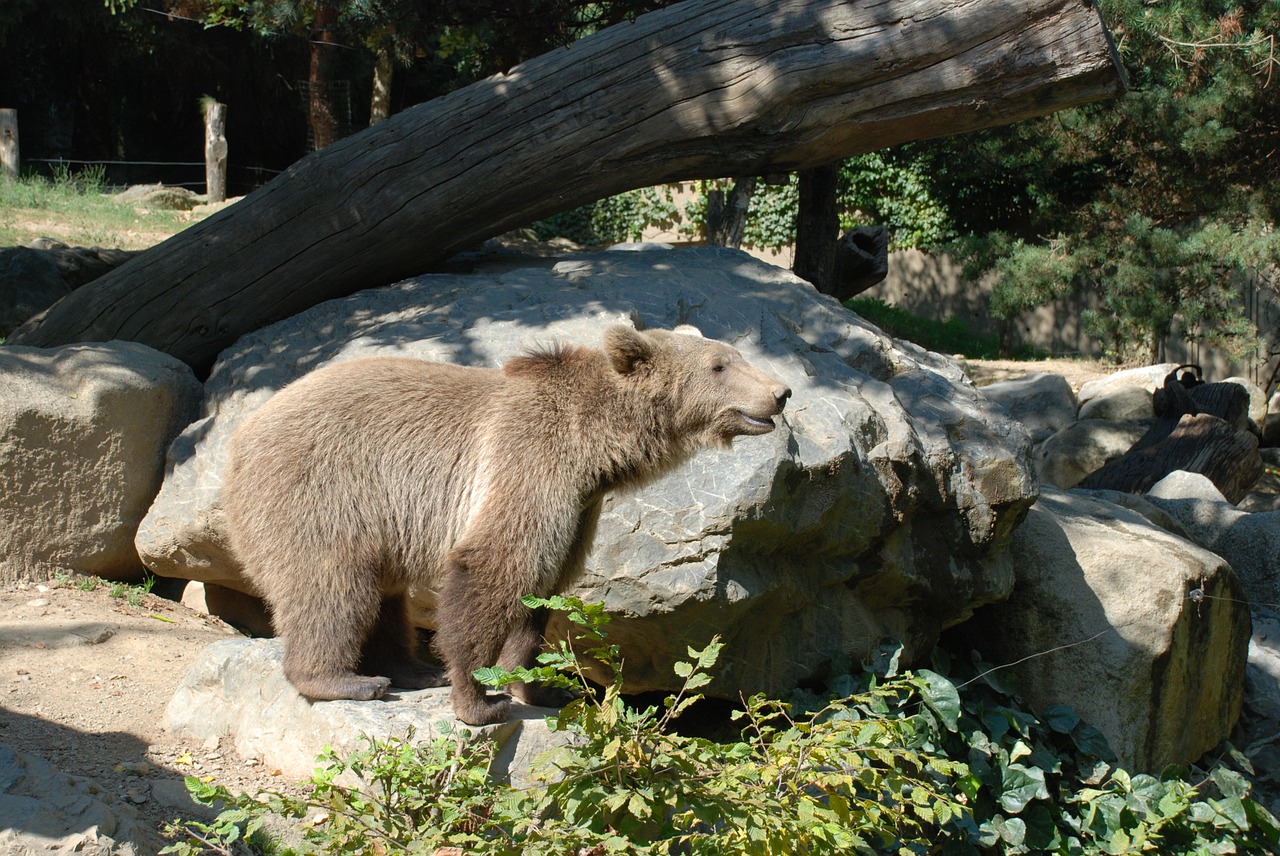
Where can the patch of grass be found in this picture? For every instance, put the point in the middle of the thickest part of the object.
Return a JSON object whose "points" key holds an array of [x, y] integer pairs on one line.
{"points": [[75, 208], [87, 583], [945, 337], [133, 594]]}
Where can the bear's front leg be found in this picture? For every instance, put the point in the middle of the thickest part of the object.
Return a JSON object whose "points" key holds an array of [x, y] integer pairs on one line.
{"points": [[521, 651]]}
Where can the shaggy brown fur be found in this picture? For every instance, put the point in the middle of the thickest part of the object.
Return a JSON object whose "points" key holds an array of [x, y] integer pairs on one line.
{"points": [[371, 477]]}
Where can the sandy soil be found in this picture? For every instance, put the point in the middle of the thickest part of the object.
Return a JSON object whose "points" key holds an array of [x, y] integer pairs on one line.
{"points": [[84, 681], [1077, 371]]}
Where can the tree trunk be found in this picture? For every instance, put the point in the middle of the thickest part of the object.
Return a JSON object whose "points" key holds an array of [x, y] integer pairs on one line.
{"points": [[215, 151], [322, 112], [700, 89], [1199, 430], [817, 227], [1198, 443], [384, 69], [727, 218]]}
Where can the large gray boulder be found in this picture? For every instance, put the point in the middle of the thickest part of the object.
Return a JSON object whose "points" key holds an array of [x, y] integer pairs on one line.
{"points": [[1066, 458], [881, 507], [1043, 402], [1122, 402], [83, 434], [1250, 542], [1149, 378], [34, 277], [1257, 400], [1145, 635]]}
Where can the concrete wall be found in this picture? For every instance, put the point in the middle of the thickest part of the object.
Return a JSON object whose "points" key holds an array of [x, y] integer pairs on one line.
{"points": [[931, 287]]}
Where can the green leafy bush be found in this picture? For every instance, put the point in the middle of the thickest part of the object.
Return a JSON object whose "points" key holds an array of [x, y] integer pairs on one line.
{"points": [[614, 219], [877, 763]]}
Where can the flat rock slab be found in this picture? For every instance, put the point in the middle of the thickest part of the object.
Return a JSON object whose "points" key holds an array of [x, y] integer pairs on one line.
{"points": [[55, 633], [237, 687]]}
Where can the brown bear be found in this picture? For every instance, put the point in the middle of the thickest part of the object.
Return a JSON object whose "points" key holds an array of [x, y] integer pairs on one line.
{"points": [[371, 477]]}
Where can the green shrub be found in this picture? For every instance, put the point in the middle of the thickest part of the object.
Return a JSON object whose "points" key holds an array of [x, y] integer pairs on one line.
{"points": [[877, 763]]}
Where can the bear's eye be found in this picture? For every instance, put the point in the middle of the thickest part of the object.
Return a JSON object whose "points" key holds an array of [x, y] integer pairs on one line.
{"points": [[718, 367]]}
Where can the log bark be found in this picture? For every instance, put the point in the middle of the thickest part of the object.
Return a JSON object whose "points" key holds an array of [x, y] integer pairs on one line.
{"points": [[727, 214], [700, 89], [384, 69], [817, 227], [1197, 443], [322, 112]]}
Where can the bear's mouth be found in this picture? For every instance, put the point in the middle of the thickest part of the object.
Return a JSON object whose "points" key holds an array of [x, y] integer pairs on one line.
{"points": [[754, 424]]}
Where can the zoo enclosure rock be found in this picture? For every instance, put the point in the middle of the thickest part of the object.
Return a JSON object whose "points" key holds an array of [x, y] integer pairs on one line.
{"points": [[1163, 678], [237, 687], [83, 433], [881, 507], [1249, 541], [1043, 402], [34, 277]]}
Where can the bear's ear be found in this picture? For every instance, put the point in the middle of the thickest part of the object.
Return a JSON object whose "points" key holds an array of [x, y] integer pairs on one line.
{"points": [[688, 330], [627, 349]]}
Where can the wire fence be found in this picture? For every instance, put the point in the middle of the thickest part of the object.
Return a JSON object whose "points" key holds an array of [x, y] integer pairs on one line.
{"points": [[189, 174]]}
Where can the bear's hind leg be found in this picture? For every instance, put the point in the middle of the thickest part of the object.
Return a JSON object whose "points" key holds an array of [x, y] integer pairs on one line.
{"points": [[391, 649], [324, 630]]}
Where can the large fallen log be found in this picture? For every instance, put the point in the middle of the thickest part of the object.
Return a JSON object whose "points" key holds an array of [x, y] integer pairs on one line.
{"points": [[703, 88], [1197, 430]]}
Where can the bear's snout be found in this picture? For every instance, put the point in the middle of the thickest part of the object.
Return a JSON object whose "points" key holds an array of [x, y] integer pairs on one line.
{"points": [[781, 393]]}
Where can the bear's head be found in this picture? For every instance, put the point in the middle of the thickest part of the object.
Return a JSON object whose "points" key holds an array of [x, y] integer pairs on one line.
{"points": [[714, 394]]}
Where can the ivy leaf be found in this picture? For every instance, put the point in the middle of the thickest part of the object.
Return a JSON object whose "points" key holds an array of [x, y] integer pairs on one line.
{"points": [[1019, 786], [1012, 830], [941, 696], [1061, 718], [1231, 783]]}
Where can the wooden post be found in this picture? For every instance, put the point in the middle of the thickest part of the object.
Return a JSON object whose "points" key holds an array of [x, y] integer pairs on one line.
{"points": [[9, 142], [215, 150]]}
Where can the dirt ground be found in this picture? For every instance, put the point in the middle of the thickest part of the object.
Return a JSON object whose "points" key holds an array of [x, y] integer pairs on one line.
{"points": [[85, 677], [1077, 371], [84, 681]]}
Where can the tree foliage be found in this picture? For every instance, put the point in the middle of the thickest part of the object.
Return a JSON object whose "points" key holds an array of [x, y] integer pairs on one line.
{"points": [[1157, 203]]}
